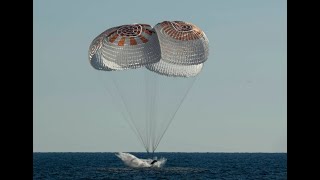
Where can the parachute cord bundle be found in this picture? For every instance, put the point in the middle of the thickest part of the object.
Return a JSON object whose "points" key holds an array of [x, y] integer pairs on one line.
{"points": [[121, 105], [166, 124]]}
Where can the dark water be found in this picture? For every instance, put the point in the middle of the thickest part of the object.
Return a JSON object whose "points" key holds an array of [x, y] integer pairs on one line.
{"points": [[178, 166]]}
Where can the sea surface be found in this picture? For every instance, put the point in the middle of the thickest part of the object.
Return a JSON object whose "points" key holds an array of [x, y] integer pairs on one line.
{"points": [[178, 166]]}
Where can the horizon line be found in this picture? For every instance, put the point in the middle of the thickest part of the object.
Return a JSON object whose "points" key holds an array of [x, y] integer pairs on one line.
{"points": [[149, 152]]}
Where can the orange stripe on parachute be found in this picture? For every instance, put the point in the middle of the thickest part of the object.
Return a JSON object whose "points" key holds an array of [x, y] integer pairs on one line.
{"points": [[113, 38], [121, 42], [133, 41], [143, 39]]}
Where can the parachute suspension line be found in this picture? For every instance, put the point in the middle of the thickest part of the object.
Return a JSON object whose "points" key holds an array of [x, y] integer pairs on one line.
{"points": [[148, 106], [121, 110], [130, 116], [151, 88], [172, 117], [153, 117]]}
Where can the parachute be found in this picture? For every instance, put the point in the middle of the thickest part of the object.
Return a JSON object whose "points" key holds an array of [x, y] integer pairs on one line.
{"points": [[149, 71]]}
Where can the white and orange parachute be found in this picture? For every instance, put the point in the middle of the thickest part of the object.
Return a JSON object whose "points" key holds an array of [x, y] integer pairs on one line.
{"points": [[171, 48]]}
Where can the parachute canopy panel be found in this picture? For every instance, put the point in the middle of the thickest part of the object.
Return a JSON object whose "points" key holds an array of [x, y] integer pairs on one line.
{"points": [[175, 70]]}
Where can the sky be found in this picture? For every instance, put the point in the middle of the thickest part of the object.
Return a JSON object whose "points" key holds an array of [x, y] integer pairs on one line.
{"points": [[238, 103]]}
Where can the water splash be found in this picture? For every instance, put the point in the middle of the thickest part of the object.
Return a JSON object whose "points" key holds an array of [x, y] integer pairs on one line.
{"points": [[132, 161]]}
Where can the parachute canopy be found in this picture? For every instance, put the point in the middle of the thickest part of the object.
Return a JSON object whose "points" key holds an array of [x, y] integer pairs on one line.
{"points": [[170, 53], [172, 48], [184, 47], [123, 47]]}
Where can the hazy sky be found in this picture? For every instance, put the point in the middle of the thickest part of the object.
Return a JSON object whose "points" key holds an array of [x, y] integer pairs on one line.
{"points": [[237, 104]]}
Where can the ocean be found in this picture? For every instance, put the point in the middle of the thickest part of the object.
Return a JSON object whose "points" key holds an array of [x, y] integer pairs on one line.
{"points": [[178, 166]]}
